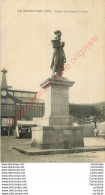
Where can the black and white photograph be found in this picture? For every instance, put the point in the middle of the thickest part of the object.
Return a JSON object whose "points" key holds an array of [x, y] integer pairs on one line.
{"points": [[52, 81]]}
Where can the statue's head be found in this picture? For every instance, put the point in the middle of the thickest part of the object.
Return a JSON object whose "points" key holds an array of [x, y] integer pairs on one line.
{"points": [[58, 33]]}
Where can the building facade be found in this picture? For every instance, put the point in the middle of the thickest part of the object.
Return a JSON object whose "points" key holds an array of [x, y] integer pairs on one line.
{"points": [[14, 105]]}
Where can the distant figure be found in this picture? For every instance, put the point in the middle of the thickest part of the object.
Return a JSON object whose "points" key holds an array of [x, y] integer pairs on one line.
{"points": [[17, 132], [95, 132], [95, 120]]}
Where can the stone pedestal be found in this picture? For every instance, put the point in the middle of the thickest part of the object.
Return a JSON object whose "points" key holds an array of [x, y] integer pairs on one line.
{"points": [[56, 130]]}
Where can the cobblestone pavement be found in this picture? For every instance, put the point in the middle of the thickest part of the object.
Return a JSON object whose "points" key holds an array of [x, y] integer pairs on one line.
{"points": [[8, 154]]}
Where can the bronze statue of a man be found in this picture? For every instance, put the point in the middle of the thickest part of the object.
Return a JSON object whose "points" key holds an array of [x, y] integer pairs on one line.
{"points": [[59, 58]]}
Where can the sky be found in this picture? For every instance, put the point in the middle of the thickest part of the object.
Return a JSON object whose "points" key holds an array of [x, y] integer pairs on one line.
{"points": [[26, 50]]}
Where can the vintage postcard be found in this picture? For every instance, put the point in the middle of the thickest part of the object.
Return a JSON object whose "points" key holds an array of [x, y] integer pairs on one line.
{"points": [[52, 81]]}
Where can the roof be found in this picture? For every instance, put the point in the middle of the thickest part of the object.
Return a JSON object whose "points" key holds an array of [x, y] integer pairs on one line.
{"points": [[16, 90]]}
